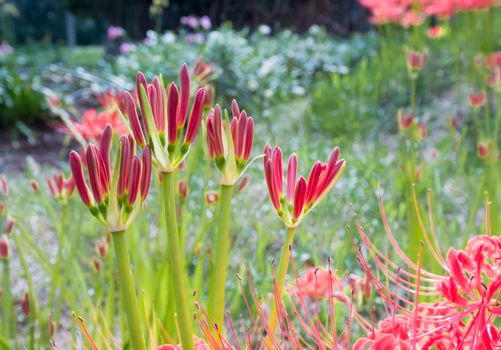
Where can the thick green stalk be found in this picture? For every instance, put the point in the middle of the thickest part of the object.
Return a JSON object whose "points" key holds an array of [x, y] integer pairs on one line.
{"points": [[128, 290], [216, 294], [283, 265], [6, 301], [174, 251]]}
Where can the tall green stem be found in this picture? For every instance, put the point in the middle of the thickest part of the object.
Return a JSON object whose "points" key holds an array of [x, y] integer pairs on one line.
{"points": [[217, 287], [283, 265], [6, 301], [174, 251], [128, 290]]}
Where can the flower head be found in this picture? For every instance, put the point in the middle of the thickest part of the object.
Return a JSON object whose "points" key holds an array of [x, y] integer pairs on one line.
{"points": [[118, 191], [115, 32], [404, 120], [484, 149], [416, 61], [4, 247], [477, 100], [229, 144], [164, 118], [301, 195], [61, 188]]}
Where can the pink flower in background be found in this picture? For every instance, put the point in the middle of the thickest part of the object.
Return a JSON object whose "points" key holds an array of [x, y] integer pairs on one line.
{"points": [[190, 22], [319, 283], [196, 38], [115, 32], [6, 49], [125, 48], [205, 22]]}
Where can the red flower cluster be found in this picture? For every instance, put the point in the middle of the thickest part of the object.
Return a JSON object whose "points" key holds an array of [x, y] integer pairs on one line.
{"points": [[117, 193], [164, 115], [414, 12], [60, 187], [301, 194], [467, 296], [93, 121]]}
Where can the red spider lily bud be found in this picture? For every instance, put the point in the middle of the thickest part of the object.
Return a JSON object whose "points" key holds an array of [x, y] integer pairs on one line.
{"points": [[454, 123], [477, 100], [214, 133], [2, 207], [102, 247], [78, 176], [404, 121], [4, 188], [211, 197], [210, 92], [135, 124], [195, 117], [97, 264], [159, 104], [484, 149], [299, 198], [134, 180], [4, 247], [52, 327], [202, 71], [172, 108], [416, 61], [184, 81], [291, 177], [93, 166], [235, 110], [242, 129], [146, 172], [9, 225], [278, 170], [25, 304], [104, 148], [243, 183], [274, 189], [126, 153], [141, 83], [421, 131], [34, 185], [313, 180], [182, 189]]}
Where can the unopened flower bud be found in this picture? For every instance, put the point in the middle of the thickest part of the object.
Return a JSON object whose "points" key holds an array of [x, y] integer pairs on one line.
{"points": [[182, 188], [404, 120], [4, 247], [2, 207], [102, 247], [454, 123], [9, 226], [25, 304], [34, 185], [212, 197], [477, 100], [97, 264], [243, 183], [484, 149], [416, 61], [52, 327]]}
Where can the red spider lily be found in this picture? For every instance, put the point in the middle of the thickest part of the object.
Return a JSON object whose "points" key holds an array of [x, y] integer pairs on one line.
{"points": [[115, 190], [164, 113], [2, 207], [182, 189], [404, 120], [494, 77], [477, 100], [4, 247], [301, 194], [416, 61], [93, 121], [61, 187], [493, 60], [34, 185], [421, 131], [229, 145], [25, 304], [210, 92], [468, 294], [436, 32], [319, 282], [102, 247], [484, 149]]}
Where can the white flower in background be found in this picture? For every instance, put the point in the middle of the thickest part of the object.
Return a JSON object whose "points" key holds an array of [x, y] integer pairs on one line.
{"points": [[264, 29], [169, 38], [269, 65]]}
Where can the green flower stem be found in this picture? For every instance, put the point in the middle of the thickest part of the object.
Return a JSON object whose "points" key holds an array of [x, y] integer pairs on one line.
{"points": [[174, 251], [128, 290], [283, 265], [56, 272], [216, 294], [6, 301], [413, 95]]}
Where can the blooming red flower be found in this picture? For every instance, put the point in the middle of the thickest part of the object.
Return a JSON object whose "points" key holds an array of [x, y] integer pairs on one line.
{"points": [[319, 283], [301, 194], [405, 120], [484, 149]]}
